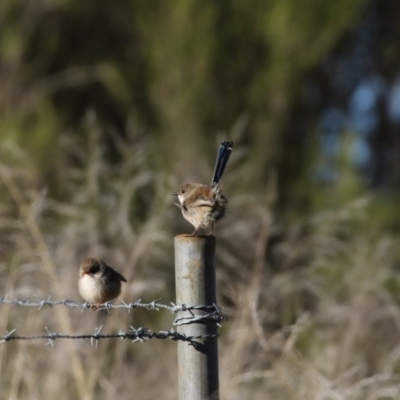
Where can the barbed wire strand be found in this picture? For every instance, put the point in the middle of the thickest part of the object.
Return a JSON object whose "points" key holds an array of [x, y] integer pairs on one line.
{"points": [[213, 312], [134, 334]]}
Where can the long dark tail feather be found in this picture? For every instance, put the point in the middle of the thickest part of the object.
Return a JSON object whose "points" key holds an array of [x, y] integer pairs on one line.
{"points": [[224, 152]]}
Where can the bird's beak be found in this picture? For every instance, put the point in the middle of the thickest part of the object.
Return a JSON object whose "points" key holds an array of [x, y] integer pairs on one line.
{"points": [[178, 205], [175, 194]]}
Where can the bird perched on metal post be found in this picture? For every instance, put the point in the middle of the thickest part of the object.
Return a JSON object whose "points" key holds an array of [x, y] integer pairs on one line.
{"points": [[200, 204], [98, 283]]}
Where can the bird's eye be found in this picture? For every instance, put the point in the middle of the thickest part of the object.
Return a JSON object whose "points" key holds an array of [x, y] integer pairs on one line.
{"points": [[183, 191]]}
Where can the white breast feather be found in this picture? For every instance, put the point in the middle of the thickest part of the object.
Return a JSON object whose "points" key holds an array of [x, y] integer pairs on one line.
{"points": [[89, 289], [181, 198]]}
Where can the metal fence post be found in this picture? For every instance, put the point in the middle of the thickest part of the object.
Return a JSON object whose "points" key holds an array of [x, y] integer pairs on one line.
{"points": [[195, 285]]}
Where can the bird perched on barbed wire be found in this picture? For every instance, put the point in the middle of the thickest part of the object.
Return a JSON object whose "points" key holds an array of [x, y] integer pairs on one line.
{"points": [[201, 204], [98, 283]]}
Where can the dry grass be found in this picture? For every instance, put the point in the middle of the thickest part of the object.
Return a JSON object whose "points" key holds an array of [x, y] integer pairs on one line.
{"points": [[312, 309]]}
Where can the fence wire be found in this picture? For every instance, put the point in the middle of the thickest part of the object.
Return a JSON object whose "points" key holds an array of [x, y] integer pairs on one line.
{"points": [[212, 314], [134, 334]]}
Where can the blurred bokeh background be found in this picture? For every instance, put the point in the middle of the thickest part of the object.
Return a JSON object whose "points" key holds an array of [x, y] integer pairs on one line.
{"points": [[106, 107]]}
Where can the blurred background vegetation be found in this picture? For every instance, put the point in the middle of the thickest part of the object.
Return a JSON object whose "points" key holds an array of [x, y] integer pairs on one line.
{"points": [[107, 107]]}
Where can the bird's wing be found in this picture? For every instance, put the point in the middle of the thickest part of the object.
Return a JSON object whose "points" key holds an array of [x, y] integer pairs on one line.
{"points": [[201, 202], [111, 273], [122, 279]]}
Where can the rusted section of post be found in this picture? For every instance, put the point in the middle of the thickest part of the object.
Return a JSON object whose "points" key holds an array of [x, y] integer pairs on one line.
{"points": [[195, 285]]}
